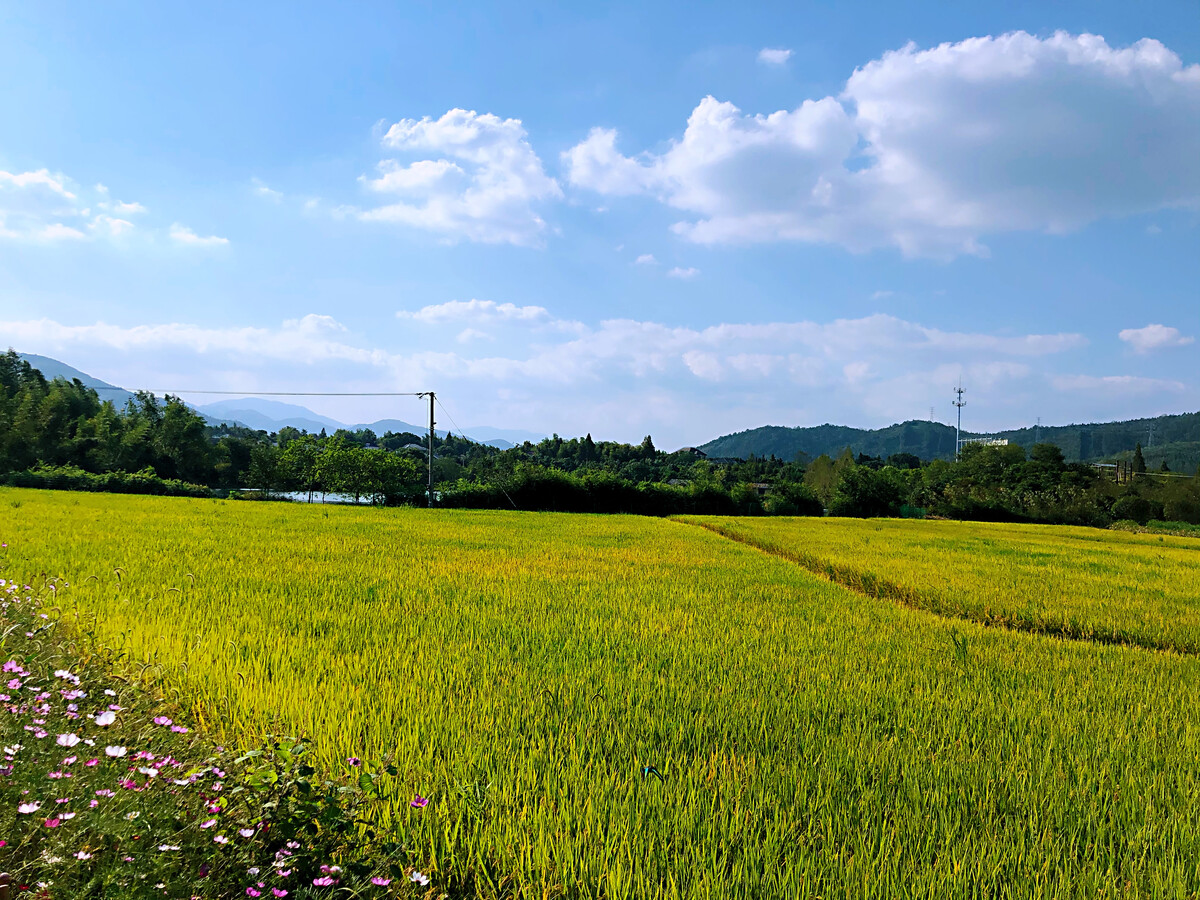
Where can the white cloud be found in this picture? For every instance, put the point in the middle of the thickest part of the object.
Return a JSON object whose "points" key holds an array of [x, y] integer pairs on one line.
{"points": [[309, 339], [882, 295], [262, 190], [774, 57], [473, 334], [475, 311], [485, 186], [46, 207], [59, 232], [1154, 337], [685, 274], [931, 150], [110, 225], [41, 178], [183, 235], [646, 259]]}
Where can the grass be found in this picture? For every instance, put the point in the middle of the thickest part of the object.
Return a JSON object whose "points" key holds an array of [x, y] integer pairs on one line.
{"points": [[1106, 586], [624, 707]]}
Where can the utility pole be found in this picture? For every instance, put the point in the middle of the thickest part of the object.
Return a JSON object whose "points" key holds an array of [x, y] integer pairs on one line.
{"points": [[1037, 431], [960, 403], [1150, 439], [432, 397]]}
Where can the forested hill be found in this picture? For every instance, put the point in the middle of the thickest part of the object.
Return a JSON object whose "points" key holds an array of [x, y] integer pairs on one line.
{"points": [[1176, 439]]}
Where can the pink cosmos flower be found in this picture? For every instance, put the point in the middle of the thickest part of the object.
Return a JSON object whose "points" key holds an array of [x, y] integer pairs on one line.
{"points": [[419, 802], [53, 823], [380, 881], [27, 808], [324, 881], [246, 832], [209, 824], [279, 892], [161, 720]]}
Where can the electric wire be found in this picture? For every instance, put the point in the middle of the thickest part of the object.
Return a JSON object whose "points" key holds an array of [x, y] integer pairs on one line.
{"points": [[469, 438]]}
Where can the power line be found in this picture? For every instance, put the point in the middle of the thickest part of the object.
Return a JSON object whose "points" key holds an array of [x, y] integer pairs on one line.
{"points": [[469, 438], [249, 394]]}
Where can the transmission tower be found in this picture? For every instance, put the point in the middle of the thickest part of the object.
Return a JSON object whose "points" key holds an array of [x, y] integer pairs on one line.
{"points": [[960, 403]]}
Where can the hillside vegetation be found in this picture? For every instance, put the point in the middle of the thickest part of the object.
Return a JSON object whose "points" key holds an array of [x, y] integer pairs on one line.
{"points": [[1176, 440]]}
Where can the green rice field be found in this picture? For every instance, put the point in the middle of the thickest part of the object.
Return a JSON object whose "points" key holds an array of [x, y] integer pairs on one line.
{"points": [[625, 707]]}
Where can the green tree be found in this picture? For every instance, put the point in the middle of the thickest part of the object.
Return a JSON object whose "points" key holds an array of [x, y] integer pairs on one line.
{"points": [[1139, 461]]}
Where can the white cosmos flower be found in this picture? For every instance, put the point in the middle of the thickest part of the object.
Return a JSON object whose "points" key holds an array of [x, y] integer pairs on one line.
{"points": [[114, 751], [106, 718], [68, 740]]}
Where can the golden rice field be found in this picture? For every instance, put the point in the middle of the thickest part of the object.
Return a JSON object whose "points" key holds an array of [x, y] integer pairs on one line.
{"points": [[523, 669], [1139, 589]]}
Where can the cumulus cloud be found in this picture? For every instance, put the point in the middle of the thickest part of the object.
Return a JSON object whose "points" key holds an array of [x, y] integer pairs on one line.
{"points": [[929, 151], [485, 185], [646, 259], [774, 57], [184, 235], [1154, 337], [45, 207], [683, 273]]}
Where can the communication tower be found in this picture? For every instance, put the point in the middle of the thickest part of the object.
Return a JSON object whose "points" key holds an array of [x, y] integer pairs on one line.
{"points": [[960, 403]]}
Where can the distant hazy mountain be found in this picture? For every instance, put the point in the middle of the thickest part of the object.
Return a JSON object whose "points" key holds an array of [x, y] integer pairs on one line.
{"points": [[502, 437], [268, 415], [52, 368], [383, 426], [933, 440]]}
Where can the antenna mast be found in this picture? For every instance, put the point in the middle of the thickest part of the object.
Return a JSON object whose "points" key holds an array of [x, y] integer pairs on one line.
{"points": [[960, 403]]}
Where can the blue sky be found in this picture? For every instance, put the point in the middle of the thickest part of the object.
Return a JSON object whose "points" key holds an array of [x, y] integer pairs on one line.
{"points": [[681, 219]]}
